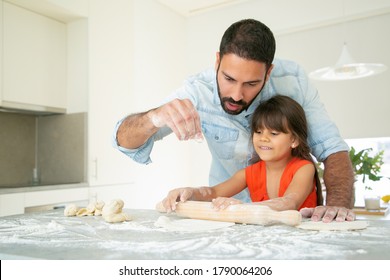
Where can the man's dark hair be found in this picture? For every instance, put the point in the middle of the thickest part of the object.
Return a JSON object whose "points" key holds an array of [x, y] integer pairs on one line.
{"points": [[249, 39]]}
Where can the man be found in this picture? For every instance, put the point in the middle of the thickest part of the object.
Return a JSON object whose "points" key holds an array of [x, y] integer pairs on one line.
{"points": [[218, 104]]}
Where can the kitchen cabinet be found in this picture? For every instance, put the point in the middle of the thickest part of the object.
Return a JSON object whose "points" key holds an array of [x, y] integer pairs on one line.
{"points": [[1, 51], [11, 204], [15, 201], [34, 61], [110, 89], [56, 197]]}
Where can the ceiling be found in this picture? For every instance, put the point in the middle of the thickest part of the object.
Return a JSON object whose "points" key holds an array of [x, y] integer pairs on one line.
{"points": [[190, 7], [64, 11]]}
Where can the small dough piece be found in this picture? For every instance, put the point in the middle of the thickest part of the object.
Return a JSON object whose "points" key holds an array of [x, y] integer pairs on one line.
{"points": [[117, 218], [98, 208], [82, 212], [114, 207], [339, 226], [112, 212], [190, 225], [70, 210], [91, 208]]}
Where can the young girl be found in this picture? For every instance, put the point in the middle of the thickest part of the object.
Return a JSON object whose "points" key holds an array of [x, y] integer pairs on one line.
{"points": [[285, 178]]}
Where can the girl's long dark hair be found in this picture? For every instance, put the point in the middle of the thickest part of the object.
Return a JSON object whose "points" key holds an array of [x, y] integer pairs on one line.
{"points": [[284, 114]]}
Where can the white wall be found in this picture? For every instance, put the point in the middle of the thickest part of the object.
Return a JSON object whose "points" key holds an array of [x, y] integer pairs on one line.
{"points": [[158, 64], [359, 107]]}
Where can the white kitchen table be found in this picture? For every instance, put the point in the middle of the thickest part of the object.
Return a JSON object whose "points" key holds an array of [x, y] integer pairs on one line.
{"points": [[50, 235]]}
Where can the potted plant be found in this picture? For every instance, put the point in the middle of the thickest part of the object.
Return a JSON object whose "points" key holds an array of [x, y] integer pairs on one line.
{"points": [[369, 167]]}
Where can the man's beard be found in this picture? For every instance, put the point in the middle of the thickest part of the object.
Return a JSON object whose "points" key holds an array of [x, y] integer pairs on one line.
{"points": [[225, 100], [242, 103]]}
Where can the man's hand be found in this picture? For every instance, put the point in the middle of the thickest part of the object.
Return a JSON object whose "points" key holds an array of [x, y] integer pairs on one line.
{"points": [[328, 214], [180, 116]]}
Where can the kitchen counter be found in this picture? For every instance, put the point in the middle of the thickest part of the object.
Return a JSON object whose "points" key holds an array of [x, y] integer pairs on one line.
{"points": [[11, 190], [50, 235], [14, 201]]}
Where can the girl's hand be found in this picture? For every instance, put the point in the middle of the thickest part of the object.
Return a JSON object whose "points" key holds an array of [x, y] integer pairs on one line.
{"points": [[175, 195], [221, 203]]}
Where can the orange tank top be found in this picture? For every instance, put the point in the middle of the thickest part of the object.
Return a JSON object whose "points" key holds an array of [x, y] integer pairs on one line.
{"points": [[257, 183]]}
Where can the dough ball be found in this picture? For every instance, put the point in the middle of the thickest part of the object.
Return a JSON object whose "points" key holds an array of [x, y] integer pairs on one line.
{"points": [[112, 212], [91, 208], [99, 205], [98, 208], [114, 207], [70, 210]]}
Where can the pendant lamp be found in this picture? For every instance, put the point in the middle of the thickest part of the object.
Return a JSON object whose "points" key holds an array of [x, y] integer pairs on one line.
{"points": [[347, 69]]}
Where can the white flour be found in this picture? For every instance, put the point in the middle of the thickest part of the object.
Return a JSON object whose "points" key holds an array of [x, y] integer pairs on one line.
{"points": [[55, 236]]}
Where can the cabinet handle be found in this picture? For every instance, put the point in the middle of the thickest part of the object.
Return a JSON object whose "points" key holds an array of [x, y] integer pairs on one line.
{"points": [[95, 163]]}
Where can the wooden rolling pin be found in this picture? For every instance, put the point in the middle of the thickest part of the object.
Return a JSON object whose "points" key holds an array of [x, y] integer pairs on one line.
{"points": [[237, 213]]}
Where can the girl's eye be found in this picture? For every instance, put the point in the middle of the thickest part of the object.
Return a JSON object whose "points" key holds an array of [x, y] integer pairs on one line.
{"points": [[274, 133]]}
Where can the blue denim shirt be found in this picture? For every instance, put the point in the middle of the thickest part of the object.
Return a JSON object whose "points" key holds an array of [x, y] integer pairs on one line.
{"points": [[228, 136]]}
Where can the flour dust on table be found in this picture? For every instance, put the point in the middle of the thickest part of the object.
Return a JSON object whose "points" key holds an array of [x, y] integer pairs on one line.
{"points": [[50, 235], [190, 225]]}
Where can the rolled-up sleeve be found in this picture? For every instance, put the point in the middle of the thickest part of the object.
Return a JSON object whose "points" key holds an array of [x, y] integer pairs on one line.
{"points": [[142, 153]]}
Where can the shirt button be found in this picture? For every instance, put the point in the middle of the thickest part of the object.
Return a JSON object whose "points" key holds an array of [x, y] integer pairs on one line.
{"points": [[216, 137]]}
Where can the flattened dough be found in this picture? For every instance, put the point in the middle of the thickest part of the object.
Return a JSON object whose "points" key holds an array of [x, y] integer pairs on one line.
{"points": [[189, 225], [340, 226]]}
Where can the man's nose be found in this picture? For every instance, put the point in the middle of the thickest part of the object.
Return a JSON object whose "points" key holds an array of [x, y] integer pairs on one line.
{"points": [[237, 93]]}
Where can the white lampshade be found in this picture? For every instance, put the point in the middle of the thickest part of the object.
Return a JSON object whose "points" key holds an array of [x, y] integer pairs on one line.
{"points": [[347, 69]]}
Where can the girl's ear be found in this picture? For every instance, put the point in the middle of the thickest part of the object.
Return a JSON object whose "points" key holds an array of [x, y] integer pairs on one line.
{"points": [[295, 143]]}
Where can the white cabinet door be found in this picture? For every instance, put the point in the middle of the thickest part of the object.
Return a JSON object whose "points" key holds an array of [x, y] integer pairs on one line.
{"points": [[11, 204], [1, 51], [110, 85], [34, 60], [56, 196]]}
